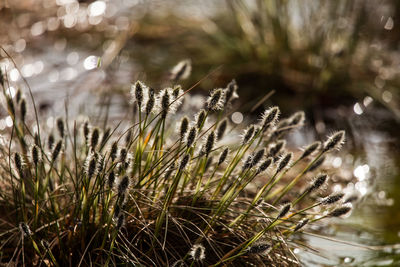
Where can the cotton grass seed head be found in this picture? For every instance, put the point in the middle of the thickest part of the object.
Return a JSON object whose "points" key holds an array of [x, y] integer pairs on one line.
{"points": [[260, 248], [210, 142], [198, 252], [200, 118], [335, 141], [94, 138], [138, 93], [340, 211], [230, 92], [301, 224], [284, 210], [184, 127], [222, 128], [269, 117], [284, 162], [56, 150], [60, 127], [22, 109], [223, 156], [123, 185], [215, 101], [113, 151], [318, 163], [332, 199], [181, 71], [36, 155], [19, 163], [165, 101], [257, 157], [297, 119], [276, 148], [317, 183], [248, 134], [191, 136], [151, 101], [264, 165], [90, 165], [310, 149], [50, 141], [184, 162]]}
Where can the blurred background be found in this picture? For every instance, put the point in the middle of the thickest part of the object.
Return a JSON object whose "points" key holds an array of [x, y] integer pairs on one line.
{"points": [[339, 61]]}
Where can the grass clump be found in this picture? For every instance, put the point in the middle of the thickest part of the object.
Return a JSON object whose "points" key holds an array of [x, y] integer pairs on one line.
{"points": [[153, 195]]}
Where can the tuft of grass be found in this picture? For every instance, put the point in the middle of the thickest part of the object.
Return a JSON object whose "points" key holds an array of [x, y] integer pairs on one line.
{"points": [[158, 193]]}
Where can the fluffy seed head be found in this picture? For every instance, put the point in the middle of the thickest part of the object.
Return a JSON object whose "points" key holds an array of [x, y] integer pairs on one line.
{"points": [[221, 129], [18, 95], [123, 185], [197, 252], [247, 162], [301, 224], [18, 163], [177, 91], [276, 148], [50, 141], [200, 118], [90, 166], [340, 211], [230, 92], [113, 151], [318, 182], [284, 162], [10, 106], [184, 162], [335, 197], [211, 138], [310, 149], [257, 157], [123, 155], [223, 156], [297, 119], [335, 141], [22, 107], [86, 130], [264, 165], [165, 103], [56, 150], [215, 100], [191, 136], [316, 164], [60, 127], [284, 210], [36, 155], [248, 134], [137, 93], [184, 127], [260, 248], [111, 179], [181, 71], [150, 102], [269, 117], [94, 138], [351, 199]]}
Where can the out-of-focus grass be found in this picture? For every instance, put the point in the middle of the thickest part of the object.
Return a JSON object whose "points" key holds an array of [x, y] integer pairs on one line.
{"points": [[325, 52]]}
